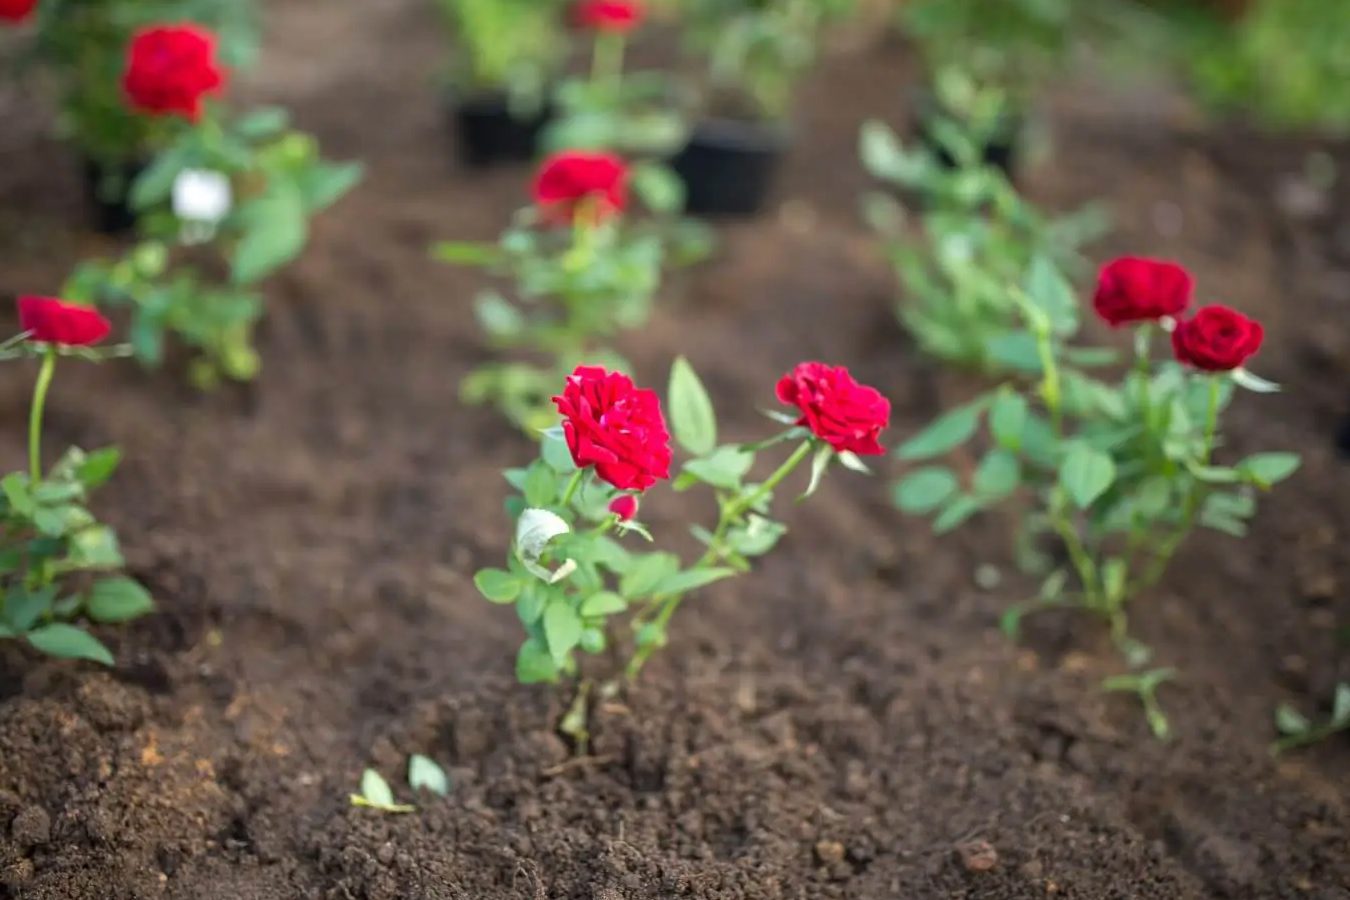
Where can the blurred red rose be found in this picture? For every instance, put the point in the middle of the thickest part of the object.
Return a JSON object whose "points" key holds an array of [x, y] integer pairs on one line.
{"points": [[52, 321], [838, 410], [572, 181], [1217, 339], [625, 506], [16, 11], [616, 427], [171, 69], [609, 15], [1131, 289]]}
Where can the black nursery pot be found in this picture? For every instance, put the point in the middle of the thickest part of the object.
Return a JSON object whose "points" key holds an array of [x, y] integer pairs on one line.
{"points": [[107, 189], [728, 166], [489, 134]]}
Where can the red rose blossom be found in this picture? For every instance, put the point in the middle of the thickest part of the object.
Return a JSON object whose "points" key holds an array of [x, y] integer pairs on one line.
{"points": [[16, 11], [838, 410], [619, 16], [1131, 289], [572, 180], [616, 427], [1217, 339], [625, 506], [171, 69], [51, 321]]}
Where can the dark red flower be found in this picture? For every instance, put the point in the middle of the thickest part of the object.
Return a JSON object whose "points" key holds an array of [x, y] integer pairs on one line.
{"points": [[618, 16], [1217, 339], [572, 181], [16, 11], [616, 427], [625, 506], [52, 321], [838, 410], [171, 69], [1131, 289]]}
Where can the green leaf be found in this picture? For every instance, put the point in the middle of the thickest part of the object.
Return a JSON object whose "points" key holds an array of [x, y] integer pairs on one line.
{"points": [[723, 469], [691, 411], [425, 774], [68, 642], [497, 585], [998, 475], [15, 486], [1086, 474], [555, 452], [534, 664], [1053, 294], [263, 122], [956, 513], [1266, 469], [658, 187], [1008, 419], [1290, 721], [819, 463], [375, 789], [323, 184], [562, 629], [948, 432], [118, 600], [646, 573], [541, 484], [24, 607], [467, 253], [1340, 705], [275, 231], [689, 580], [605, 603], [924, 490], [98, 467]]}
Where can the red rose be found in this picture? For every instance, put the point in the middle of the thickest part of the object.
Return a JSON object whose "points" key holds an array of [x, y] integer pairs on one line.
{"points": [[618, 16], [616, 427], [838, 410], [1131, 289], [625, 506], [52, 321], [16, 11], [170, 69], [574, 180], [1217, 339]]}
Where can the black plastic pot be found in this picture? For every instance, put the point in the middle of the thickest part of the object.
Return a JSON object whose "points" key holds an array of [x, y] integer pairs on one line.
{"points": [[489, 134], [728, 166], [107, 188]]}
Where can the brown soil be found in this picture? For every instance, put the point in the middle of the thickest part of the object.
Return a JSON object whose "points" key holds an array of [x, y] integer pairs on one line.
{"points": [[848, 723]]}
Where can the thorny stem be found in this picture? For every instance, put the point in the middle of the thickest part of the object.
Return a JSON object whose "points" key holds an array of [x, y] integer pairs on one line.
{"points": [[731, 512], [44, 382]]}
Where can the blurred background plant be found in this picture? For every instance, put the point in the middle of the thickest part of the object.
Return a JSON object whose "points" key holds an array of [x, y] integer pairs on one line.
{"points": [[507, 48]]}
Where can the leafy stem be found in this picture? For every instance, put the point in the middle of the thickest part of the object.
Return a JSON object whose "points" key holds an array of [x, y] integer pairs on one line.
{"points": [[44, 383]]}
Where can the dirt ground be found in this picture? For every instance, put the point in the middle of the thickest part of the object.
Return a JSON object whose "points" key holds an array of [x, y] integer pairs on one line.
{"points": [[847, 723]]}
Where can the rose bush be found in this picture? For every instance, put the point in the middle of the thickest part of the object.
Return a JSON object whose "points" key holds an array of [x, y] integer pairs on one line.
{"points": [[1132, 289]]}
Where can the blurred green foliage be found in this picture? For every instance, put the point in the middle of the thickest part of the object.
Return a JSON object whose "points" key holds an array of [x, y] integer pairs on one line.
{"points": [[512, 47]]}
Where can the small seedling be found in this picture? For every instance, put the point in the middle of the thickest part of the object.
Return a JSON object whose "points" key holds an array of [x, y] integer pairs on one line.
{"points": [[376, 794], [425, 774], [1144, 685], [1300, 731]]}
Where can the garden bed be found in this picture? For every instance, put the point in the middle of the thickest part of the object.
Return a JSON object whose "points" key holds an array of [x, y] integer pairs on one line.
{"points": [[849, 723]]}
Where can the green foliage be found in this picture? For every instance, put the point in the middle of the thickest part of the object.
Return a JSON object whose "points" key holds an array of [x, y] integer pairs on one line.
{"points": [[574, 289], [976, 236], [376, 794], [58, 564], [278, 182], [512, 47], [638, 114], [756, 50], [1284, 62], [1118, 474], [1297, 730], [570, 579], [82, 45], [1144, 685]]}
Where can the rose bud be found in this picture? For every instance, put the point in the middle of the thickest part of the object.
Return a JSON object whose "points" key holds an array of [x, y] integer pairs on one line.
{"points": [[171, 69], [1131, 289], [617, 16], [16, 11], [573, 180], [625, 506], [615, 427], [50, 321], [1217, 339], [845, 414]]}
